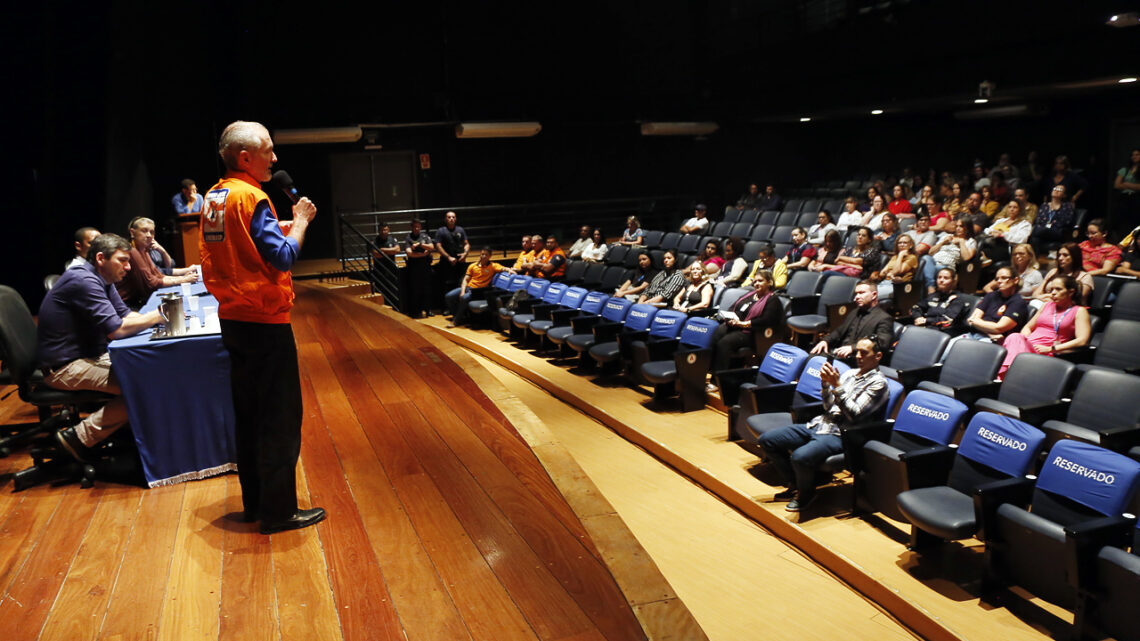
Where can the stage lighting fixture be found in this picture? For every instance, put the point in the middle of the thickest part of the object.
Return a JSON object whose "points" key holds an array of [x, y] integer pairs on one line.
{"points": [[497, 129], [316, 136], [678, 128]]}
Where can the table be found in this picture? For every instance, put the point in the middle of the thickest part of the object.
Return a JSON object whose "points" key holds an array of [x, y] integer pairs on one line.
{"points": [[178, 399]]}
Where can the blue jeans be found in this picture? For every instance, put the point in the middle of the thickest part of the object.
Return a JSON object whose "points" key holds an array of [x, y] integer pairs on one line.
{"points": [[797, 453], [451, 301], [929, 270]]}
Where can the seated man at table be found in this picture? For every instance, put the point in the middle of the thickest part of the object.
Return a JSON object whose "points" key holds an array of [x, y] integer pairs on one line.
{"points": [[83, 238], [848, 399], [144, 276], [77, 318]]}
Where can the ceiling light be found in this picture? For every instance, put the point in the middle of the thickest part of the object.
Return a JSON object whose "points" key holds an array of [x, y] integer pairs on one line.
{"points": [[1127, 80], [678, 128], [497, 129], [316, 136], [981, 101], [805, 119], [876, 112]]}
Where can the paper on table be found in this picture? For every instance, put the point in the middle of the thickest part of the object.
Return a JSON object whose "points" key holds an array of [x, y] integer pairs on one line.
{"points": [[185, 290]]}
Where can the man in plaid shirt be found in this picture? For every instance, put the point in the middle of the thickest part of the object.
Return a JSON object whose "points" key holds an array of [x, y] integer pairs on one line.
{"points": [[798, 450]]}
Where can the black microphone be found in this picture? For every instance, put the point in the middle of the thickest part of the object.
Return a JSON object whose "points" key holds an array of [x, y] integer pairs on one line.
{"points": [[281, 179]]}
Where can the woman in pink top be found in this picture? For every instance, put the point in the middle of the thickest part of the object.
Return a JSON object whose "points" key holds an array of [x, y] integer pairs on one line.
{"points": [[1060, 326]]}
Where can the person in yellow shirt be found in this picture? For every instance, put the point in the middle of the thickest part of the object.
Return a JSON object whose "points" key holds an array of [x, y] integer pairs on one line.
{"points": [[767, 260], [478, 277], [527, 254]]}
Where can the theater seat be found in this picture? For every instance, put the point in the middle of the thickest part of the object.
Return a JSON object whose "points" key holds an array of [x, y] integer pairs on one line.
{"points": [[607, 350], [1033, 389], [749, 390], [587, 332], [992, 461], [806, 401], [1105, 411], [680, 366], [915, 357], [968, 371]]}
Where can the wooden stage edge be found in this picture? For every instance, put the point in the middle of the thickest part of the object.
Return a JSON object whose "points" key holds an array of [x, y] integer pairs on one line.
{"points": [[892, 599], [660, 612]]}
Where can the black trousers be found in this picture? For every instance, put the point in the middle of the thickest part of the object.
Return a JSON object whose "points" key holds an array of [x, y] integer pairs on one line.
{"points": [[266, 386], [726, 341]]}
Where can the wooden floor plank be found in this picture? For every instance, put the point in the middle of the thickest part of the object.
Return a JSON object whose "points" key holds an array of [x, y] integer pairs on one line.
{"points": [[191, 608], [305, 605], [140, 590], [33, 590], [82, 601], [419, 596], [364, 605], [29, 511], [249, 601]]}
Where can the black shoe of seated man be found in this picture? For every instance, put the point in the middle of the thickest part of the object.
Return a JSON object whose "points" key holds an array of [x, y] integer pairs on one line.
{"points": [[303, 518], [799, 504], [70, 442], [785, 495]]}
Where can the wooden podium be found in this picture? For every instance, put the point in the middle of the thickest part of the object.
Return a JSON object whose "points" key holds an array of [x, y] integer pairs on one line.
{"points": [[189, 228]]}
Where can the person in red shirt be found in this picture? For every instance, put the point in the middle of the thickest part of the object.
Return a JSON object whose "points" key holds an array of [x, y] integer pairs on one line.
{"points": [[1100, 256], [899, 203]]}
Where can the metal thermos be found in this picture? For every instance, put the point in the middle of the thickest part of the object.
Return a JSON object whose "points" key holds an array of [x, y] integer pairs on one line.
{"points": [[171, 307]]}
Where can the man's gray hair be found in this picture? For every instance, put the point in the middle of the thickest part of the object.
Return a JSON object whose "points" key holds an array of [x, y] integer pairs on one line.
{"points": [[107, 244], [239, 136]]}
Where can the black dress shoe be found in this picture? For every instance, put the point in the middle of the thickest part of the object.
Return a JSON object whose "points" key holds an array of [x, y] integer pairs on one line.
{"points": [[70, 442], [303, 518]]}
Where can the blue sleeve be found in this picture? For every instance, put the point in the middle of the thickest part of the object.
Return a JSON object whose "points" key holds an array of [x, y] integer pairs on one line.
{"points": [[275, 248], [179, 206]]}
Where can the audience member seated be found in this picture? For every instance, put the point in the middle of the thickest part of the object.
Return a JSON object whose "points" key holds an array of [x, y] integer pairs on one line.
{"points": [[796, 451], [945, 309], [1028, 209], [861, 261], [872, 192], [800, 255], [1024, 262], [940, 220], [868, 320], [973, 214], [950, 250], [923, 238], [873, 219], [187, 200], [850, 217], [526, 255], [1000, 312], [899, 203], [633, 235], [735, 267], [823, 224], [695, 299], [1012, 229], [750, 199], [77, 318], [710, 257], [477, 279], [666, 283], [1054, 219], [918, 202], [83, 238], [1069, 261], [143, 278], [698, 224], [595, 252], [770, 201], [639, 280], [1130, 258], [386, 243], [828, 254], [1127, 188], [1059, 327], [552, 266], [888, 233], [1064, 176], [955, 204], [1098, 256], [766, 260], [756, 310], [580, 244], [901, 268], [988, 206]]}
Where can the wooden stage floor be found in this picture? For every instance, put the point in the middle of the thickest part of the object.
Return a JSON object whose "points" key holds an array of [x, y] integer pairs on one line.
{"points": [[445, 521]]}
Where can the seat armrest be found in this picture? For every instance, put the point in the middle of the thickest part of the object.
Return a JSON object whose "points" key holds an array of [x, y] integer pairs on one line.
{"points": [[1041, 412], [998, 407], [800, 305], [525, 305], [562, 316], [836, 312], [989, 497], [772, 398], [663, 349], [1120, 438], [583, 324], [692, 365], [542, 311], [911, 377], [928, 466], [604, 332], [969, 394], [855, 437], [730, 380], [1080, 355], [1084, 540]]}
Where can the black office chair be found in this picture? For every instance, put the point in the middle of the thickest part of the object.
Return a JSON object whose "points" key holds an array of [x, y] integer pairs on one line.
{"points": [[1033, 389], [916, 356], [925, 427], [992, 461], [1045, 545]]}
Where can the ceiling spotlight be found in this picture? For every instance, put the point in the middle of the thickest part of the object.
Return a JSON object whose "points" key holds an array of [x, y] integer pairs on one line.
{"points": [[805, 119], [876, 112], [1127, 80], [981, 101]]}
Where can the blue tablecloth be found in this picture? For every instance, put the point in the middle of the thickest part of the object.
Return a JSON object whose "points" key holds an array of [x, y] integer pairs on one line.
{"points": [[178, 399]]}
